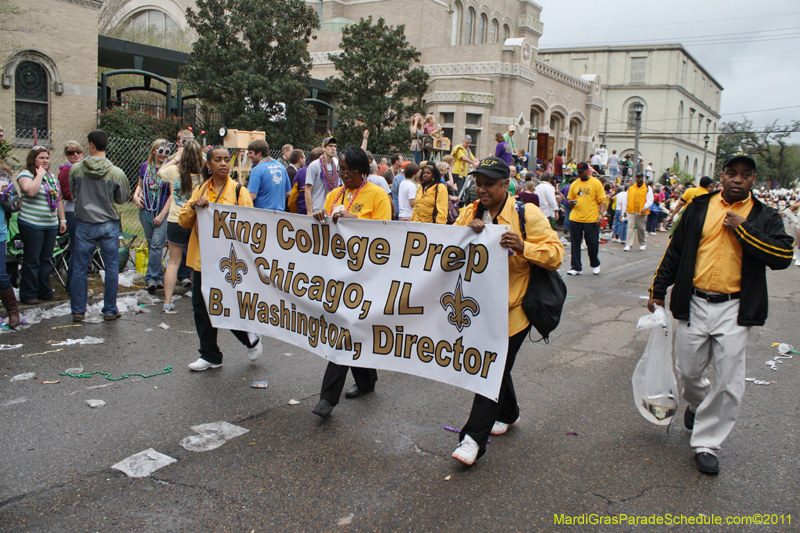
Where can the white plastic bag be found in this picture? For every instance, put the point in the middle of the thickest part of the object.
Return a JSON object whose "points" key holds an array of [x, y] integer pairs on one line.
{"points": [[654, 385]]}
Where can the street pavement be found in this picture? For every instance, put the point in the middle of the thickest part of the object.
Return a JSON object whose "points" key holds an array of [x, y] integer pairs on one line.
{"points": [[382, 462]]}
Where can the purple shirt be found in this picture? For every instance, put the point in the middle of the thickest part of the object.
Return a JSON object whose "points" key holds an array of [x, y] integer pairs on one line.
{"points": [[529, 198], [564, 193], [503, 151], [300, 181]]}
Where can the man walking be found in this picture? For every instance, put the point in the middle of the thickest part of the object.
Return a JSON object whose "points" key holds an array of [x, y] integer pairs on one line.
{"points": [[321, 177], [269, 183], [587, 197], [717, 261], [97, 185], [640, 198]]}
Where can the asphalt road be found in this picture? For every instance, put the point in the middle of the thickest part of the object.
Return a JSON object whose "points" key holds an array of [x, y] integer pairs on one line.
{"points": [[382, 462]]}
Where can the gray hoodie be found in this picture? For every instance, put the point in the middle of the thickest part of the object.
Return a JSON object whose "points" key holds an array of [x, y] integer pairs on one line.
{"points": [[97, 185]]}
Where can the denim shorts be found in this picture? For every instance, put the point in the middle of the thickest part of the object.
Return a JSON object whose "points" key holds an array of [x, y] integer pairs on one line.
{"points": [[177, 234]]}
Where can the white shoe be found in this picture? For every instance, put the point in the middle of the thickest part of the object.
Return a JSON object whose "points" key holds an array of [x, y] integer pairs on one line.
{"points": [[596, 270], [255, 352], [201, 364], [574, 272], [467, 451], [583, 246], [499, 427], [643, 247], [662, 229], [626, 249]]}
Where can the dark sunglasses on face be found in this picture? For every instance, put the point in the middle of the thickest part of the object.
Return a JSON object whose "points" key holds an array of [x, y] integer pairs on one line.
{"points": [[73, 152]]}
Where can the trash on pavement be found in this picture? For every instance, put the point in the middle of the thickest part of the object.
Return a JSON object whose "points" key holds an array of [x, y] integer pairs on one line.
{"points": [[95, 403], [755, 381], [259, 385], [12, 402], [211, 436], [163, 326], [143, 463], [43, 353], [10, 346], [51, 382], [86, 340], [23, 377], [74, 370], [293, 402], [572, 433]]}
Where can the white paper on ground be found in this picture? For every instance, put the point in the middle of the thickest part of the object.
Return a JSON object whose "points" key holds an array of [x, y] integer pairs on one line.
{"points": [[143, 463], [86, 340], [95, 403], [211, 436]]}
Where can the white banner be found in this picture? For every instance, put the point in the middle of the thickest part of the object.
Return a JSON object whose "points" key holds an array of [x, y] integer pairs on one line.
{"points": [[423, 299]]}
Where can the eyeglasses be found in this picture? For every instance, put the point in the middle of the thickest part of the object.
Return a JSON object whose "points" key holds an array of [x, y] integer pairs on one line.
{"points": [[73, 152], [348, 172]]}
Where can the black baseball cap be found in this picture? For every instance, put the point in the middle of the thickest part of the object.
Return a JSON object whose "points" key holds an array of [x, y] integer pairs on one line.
{"points": [[492, 167], [329, 140], [737, 156], [582, 166]]}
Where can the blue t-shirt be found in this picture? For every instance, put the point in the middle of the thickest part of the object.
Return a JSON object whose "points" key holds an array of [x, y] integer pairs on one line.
{"points": [[270, 182]]}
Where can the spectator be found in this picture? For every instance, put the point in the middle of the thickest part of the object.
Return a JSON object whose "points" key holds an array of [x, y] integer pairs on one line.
{"points": [[503, 149], [565, 202], [527, 195], [383, 166], [269, 184], [40, 218], [376, 179], [649, 174], [300, 181], [621, 215], [547, 198], [153, 200], [432, 129], [597, 163], [407, 192], [7, 295], [321, 177], [588, 200], [430, 202], [97, 185], [390, 173], [182, 180], [558, 166], [613, 164], [508, 137], [416, 137], [297, 160], [297, 166], [286, 149], [74, 153], [463, 159]]}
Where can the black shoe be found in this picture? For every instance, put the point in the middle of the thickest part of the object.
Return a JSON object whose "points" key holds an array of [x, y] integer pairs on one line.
{"points": [[323, 409], [688, 418], [707, 463], [355, 392]]}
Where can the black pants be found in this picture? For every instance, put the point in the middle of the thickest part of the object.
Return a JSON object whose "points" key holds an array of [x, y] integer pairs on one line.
{"points": [[209, 349], [486, 412], [335, 375], [577, 232]]}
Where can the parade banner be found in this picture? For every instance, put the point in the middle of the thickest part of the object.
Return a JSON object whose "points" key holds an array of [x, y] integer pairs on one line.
{"points": [[424, 299]]}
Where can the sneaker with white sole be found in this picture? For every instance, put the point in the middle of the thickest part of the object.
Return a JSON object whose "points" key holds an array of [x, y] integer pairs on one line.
{"points": [[583, 246], [499, 427], [467, 451], [643, 247], [201, 364], [170, 309], [626, 249], [574, 272], [596, 270], [255, 352]]}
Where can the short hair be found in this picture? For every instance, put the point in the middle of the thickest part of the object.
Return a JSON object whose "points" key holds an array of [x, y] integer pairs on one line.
{"points": [[295, 156], [259, 146], [185, 133], [546, 176], [315, 154], [395, 158], [560, 152], [468, 138], [30, 162], [613, 151], [530, 186], [369, 155], [705, 181], [286, 148], [499, 137], [448, 159], [356, 159], [74, 146], [99, 139], [443, 167], [411, 170]]}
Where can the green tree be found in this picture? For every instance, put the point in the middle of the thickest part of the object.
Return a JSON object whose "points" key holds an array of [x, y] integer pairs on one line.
{"points": [[377, 88], [250, 61], [777, 160]]}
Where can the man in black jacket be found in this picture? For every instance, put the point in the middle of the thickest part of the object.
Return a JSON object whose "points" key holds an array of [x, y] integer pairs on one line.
{"points": [[723, 239]]}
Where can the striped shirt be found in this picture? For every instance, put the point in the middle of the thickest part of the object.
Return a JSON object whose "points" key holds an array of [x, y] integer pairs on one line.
{"points": [[35, 210]]}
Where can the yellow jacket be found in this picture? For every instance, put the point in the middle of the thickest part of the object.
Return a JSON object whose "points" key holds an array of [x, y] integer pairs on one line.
{"points": [[542, 247], [461, 168], [423, 205]]}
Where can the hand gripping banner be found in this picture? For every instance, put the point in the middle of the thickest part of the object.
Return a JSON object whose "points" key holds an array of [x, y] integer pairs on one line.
{"points": [[424, 299]]}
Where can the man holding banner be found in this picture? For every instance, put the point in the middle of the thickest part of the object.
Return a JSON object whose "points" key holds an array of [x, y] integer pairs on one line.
{"points": [[541, 247]]}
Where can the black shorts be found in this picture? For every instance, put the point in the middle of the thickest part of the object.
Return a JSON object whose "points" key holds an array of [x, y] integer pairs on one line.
{"points": [[177, 234]]}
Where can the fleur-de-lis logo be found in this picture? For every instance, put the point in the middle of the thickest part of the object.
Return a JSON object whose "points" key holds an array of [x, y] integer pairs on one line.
{"points": [[459, 305], [236, 268]]}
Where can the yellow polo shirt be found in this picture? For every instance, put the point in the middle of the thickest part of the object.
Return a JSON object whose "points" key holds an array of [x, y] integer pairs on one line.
{"points": [[423, 205], [188, 215], [719, 258], [461, 168], [371, 202], [691, 194], [590, 194]]}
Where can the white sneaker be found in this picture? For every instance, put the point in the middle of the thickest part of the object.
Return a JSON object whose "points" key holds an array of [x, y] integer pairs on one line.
{"points": [[467, 451], [596, 270], [626, 249], [499, 427], [643, 247], [574, 272], [255, 352], [583, 246], [201, 364]]}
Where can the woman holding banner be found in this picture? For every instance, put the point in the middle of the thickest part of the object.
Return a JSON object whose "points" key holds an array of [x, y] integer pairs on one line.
{"points": [[431, 202], [357, 195], [541, 247], [217, 188]]}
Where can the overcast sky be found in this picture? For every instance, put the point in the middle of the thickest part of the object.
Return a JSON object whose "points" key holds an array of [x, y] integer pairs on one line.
{"points": [[751, 48]]}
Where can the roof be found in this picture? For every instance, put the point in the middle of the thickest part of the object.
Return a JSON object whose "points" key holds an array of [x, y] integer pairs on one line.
{"points": [[631, 48]]}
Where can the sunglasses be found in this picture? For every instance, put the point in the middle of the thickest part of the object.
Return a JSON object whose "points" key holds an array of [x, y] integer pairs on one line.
{"points": [[73, 152]]}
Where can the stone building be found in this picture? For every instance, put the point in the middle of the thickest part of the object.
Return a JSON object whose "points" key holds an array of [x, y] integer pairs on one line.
{"points": [[50, 72], [681, 101]]}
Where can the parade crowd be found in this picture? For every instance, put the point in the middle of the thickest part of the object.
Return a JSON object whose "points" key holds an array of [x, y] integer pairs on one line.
{"points": [[720, 233]]}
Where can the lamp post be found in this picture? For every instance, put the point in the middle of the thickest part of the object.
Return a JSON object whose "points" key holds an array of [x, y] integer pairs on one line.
{"points": [[532, 136], [637, 108], [706, 138]]}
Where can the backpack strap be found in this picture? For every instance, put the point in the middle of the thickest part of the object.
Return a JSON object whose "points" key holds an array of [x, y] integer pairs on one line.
{"points": [[520, 206], [238, 188]]}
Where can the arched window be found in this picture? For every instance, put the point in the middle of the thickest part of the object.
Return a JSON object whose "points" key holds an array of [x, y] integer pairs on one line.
{"points": [[470, 26], [482, 23], [632, 117], [494, 31], [506, 32], [152, 18], [31, 93], [458, 12]]}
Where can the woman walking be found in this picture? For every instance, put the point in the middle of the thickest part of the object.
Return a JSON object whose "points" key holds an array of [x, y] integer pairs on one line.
{"points": [[153, 199]]}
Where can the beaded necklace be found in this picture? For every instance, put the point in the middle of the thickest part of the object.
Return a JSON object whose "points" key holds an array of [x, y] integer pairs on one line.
{"points": [[353, 199], [332, 180], [51, 190], [203, 191], [152, 182]]}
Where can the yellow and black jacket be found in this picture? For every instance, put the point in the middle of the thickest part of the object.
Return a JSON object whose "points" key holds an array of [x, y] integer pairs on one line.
{"points": [[764, 242]]}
